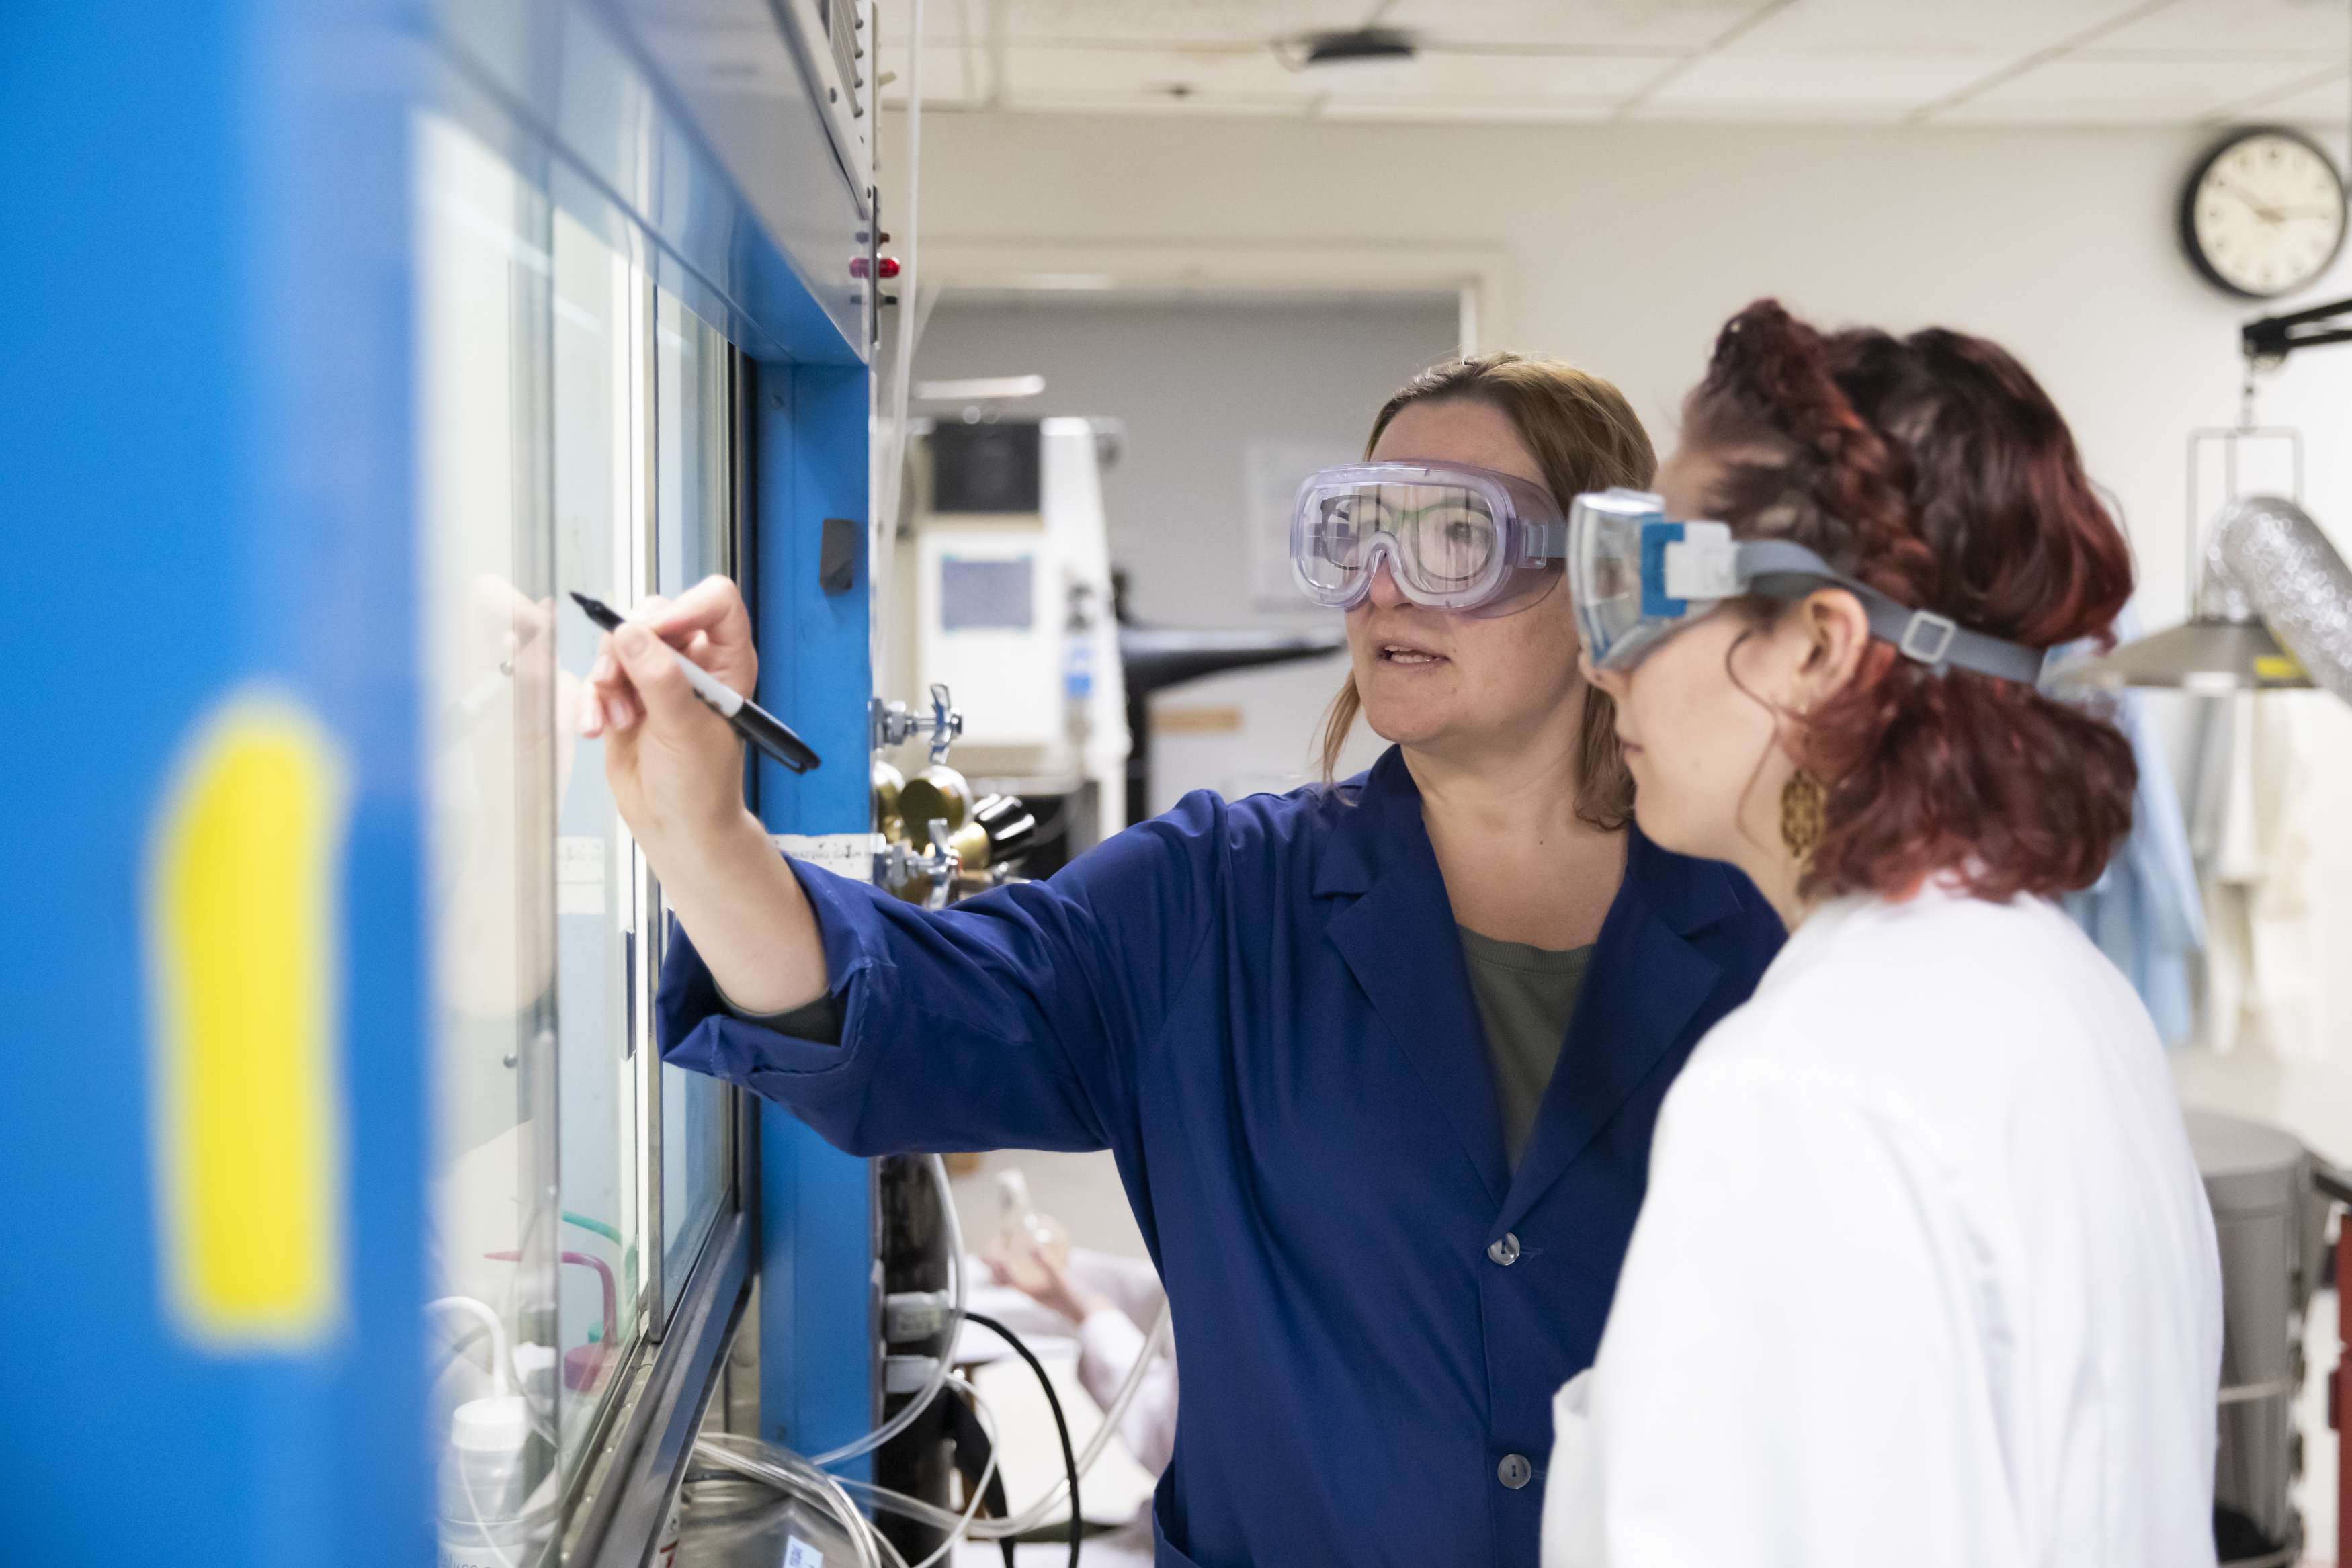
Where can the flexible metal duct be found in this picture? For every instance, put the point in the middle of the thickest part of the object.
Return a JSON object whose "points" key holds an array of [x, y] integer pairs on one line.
{"points": [[2268, 560]]}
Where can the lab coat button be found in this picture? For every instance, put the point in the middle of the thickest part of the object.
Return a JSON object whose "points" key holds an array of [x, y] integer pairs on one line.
{"points": [[1506, 1252], [1515, 1471]]}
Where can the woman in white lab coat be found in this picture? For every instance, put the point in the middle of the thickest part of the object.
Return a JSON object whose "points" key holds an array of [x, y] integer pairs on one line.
{"points": [[1925, 1273]]}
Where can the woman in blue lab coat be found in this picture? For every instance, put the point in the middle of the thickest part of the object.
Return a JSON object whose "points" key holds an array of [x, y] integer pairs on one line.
{"points": [[1319, 1030]]}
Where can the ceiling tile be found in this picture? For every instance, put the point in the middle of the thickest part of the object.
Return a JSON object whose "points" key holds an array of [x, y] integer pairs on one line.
{"points": [[2322, 103], [953, 76], [1210, 105], [1848, 87], [1136, 21], [1044, 76], [1513, 88], [1675, 26], [1993, 29], [1444, 111], [2180, 61], [2320, 30], [1473, 77], [2159, 91]]}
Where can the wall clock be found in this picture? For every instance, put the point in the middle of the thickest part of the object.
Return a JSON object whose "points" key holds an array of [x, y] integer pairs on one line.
{"points": [[2264, 212]]}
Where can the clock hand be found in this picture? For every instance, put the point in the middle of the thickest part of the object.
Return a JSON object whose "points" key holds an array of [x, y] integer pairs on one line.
{"points": [[2268, 214]]}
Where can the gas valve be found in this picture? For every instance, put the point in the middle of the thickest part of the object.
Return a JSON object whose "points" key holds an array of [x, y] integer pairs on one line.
{"points": [[895, 724], [939, 841], [920, 876]]}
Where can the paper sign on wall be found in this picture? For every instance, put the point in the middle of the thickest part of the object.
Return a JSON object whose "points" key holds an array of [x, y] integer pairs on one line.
{"points": [[1272, 471]]}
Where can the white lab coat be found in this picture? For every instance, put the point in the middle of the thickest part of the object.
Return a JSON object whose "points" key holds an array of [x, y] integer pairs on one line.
{"points": [[2274, 845], [1113, 1339], [1925, 1275]]}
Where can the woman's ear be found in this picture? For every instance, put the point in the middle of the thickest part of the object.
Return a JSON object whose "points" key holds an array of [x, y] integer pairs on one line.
{"points": [[1836, 632]]}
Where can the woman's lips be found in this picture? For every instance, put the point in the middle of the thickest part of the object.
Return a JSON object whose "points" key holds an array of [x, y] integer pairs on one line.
{"points": [[1408, 656]]}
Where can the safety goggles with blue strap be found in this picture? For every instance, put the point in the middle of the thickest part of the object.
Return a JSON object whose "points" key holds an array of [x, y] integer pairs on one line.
{"points": [[1640, 576]]}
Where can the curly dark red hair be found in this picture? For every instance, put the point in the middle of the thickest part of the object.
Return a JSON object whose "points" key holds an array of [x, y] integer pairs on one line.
{"points": [[1933, 469]]}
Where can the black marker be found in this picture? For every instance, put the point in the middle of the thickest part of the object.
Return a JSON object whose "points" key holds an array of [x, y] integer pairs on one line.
{"points": [[754, 722]]}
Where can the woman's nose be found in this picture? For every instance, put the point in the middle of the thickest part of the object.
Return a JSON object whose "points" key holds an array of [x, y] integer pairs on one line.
{"points": [[1385, 594]]}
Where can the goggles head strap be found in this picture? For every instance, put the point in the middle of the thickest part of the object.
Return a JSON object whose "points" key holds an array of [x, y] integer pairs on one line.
{"points": [[1546, 541], [1778, 568]]}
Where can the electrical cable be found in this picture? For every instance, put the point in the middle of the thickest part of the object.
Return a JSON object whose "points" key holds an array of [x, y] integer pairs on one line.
{"points": [[978, 1487], [764, 1461], [1034, 1515], [930, 1390], [1061, 1423]]}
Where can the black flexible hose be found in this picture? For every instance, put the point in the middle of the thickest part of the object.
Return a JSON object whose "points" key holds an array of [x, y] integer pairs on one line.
{"points": [[1061, 1423]]}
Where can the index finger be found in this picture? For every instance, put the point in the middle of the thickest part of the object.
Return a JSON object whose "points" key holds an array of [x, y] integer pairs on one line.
{"points": [[713, 607]]}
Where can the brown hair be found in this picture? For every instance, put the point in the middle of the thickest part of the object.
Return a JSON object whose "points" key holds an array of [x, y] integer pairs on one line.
{"points": [[1933, 469], [1584, 436]]}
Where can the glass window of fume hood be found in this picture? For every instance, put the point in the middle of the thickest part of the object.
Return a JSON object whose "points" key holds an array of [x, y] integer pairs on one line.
{"points": [[602, 305], [693, 530], [575, 432], [488, 629]]}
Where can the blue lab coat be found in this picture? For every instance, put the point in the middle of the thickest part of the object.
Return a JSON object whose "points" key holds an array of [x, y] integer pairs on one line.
{"points": [[1262, 1009]]}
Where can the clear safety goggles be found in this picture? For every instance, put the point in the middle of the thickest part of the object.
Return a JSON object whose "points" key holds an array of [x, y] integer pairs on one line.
{"points": [[1639, 578], [1454, 537]]}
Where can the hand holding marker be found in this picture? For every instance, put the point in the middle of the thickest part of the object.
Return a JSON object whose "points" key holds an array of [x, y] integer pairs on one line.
{"points": [[754, 722]]}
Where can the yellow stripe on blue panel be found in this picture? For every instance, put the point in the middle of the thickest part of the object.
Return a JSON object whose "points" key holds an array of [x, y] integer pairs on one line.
{"points": [[243, 932]]}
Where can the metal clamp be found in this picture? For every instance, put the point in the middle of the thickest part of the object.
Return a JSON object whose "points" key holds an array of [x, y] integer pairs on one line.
{"points": [[1943, 628], [898, 866], [894, 725]]}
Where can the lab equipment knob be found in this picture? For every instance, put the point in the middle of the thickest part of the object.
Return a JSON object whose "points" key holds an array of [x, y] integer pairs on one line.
{"points": [[999, 833], [895, 723], [923, 876], [938, 794]]}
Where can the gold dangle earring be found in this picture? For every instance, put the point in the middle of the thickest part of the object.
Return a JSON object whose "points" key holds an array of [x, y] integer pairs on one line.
{"points": [[1803, 807]]}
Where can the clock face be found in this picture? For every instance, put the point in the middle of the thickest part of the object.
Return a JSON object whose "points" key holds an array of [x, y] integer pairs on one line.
{"points": [[2264, 214]]}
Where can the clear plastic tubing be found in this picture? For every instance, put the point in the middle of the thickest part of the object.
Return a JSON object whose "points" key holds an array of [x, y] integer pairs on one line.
{"points": [[794, 1476], [751, 1457], [1059, 1494], [499, 1366], [481, 1482], [789, 1473], [921, 1402], [963, 1526]]}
